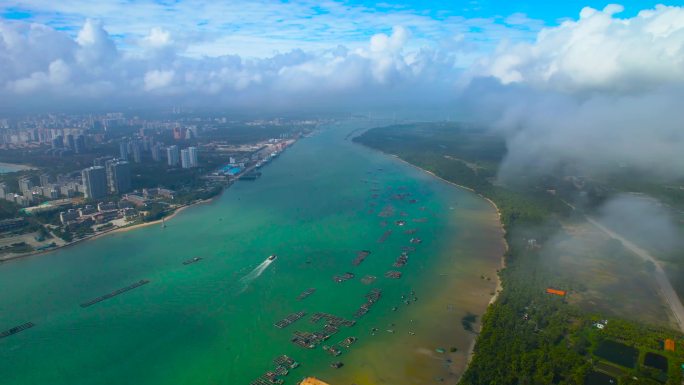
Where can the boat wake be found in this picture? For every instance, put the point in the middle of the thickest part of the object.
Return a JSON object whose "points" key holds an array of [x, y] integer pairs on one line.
{"points": [[254, 274]]}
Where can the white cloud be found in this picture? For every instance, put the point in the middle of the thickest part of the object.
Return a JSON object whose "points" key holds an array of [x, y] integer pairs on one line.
{"points": [[91, 65], [158, 79], [597, 52], [158, 38]]}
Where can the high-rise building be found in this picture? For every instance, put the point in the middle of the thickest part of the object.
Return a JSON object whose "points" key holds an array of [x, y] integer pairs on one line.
{"points": [[156, 152], [69, 141], [79, 144], [120, 177], [193, 156], [45, 180], [94, 182], [172, 155], [57, 142], [102, 161], [123, 149], [25, 184], [185, 158], [136, 150]]}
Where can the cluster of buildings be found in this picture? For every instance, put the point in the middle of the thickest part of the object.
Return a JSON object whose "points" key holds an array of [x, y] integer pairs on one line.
{"points": [[32, 191], [186, 158], [102, 213], [107, 176], [133, 149]]}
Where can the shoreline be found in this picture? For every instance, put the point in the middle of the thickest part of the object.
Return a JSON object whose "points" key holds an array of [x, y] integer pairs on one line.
{"points": [[115, 230], [502, 265], [131, 227], [18, 167]]}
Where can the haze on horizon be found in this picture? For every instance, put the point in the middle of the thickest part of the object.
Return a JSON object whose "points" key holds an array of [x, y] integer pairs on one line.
{"points": [[593, 83]]}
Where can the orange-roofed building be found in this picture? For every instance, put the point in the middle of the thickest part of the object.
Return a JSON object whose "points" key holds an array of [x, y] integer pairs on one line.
{"points": [[562, 293], [669, 345], [312, 381]]}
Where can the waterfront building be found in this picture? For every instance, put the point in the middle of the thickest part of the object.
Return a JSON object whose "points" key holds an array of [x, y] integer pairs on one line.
{"points": [[172, 155], [68, 216], [108, 206], [120, 181], [94, 182]]}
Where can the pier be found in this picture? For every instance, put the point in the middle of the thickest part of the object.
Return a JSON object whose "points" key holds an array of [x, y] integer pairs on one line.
{"points": [[115, 293], [17, 329]]}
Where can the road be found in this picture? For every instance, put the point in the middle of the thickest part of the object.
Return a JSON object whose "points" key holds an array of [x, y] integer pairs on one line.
{"points": [[666, 289]]}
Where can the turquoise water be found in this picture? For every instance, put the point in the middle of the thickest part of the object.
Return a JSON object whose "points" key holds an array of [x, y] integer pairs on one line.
{"points": [[7, 167], [211, 322]]}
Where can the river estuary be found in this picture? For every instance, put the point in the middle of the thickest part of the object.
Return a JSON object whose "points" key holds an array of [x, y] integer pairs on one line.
{"points": [[212, 322]]}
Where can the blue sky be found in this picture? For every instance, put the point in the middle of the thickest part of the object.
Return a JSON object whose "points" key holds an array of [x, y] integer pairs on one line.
{"points": [[260, 28]]}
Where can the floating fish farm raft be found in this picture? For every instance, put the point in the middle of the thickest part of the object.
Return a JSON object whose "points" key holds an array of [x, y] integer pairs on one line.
{"points": [[384, 236], [17, 329], [344, 277], [367, 280], [283, 365], [115, 293], [289, 320], [360, 256], [393, 274], [371, 298], [401, 260], [332, 325], [306, 293], [192, 260]]}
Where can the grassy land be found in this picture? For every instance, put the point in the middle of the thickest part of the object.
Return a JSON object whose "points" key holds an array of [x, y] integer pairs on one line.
{"points": [[528, 337]]}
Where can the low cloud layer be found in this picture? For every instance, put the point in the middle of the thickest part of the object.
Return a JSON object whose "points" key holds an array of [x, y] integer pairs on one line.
{"points": [[592, 95]]}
